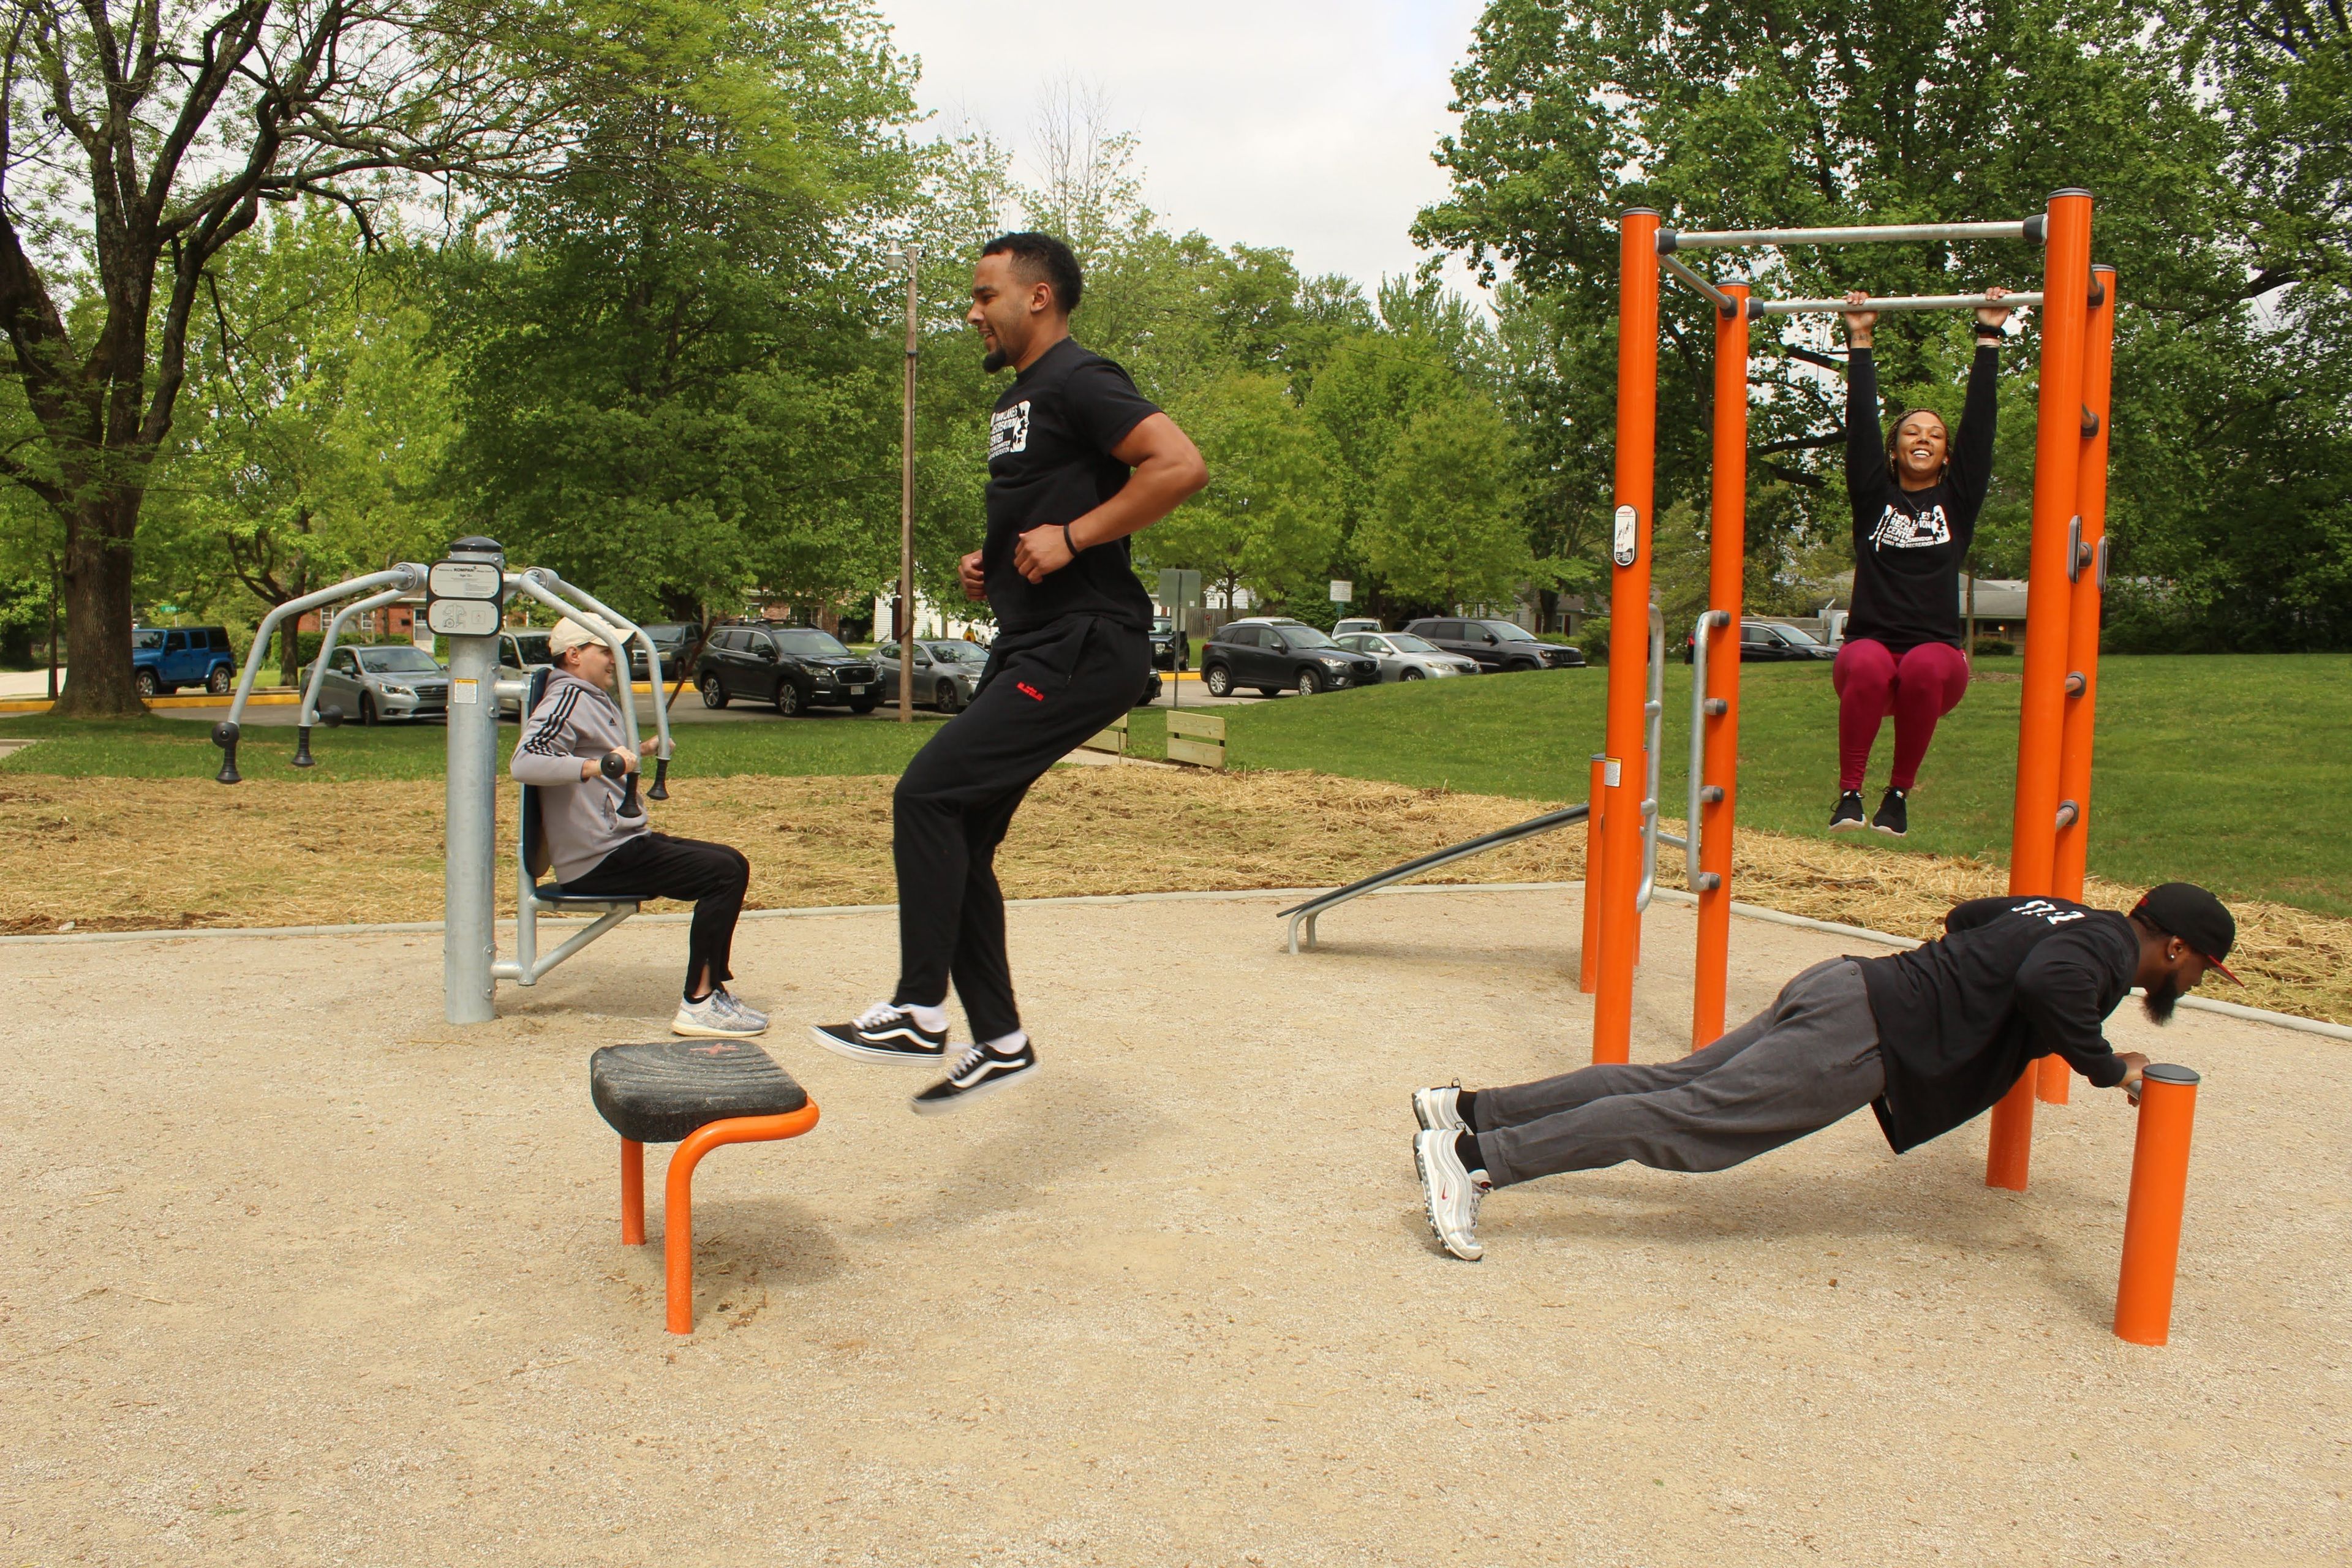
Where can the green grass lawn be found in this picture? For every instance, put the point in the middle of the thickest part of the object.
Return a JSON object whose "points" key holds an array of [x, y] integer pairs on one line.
{"points": [[2229, 771], [173, 748]]}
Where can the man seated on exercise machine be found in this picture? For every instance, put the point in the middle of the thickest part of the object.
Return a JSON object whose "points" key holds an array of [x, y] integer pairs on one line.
{"points": [[572, 732], [1926, 1038]]}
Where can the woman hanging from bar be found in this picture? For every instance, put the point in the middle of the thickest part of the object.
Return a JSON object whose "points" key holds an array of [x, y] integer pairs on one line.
{"points": [[1915, 513]]}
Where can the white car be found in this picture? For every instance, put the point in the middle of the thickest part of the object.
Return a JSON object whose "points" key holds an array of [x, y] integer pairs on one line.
{"points": [[1404, 657]]}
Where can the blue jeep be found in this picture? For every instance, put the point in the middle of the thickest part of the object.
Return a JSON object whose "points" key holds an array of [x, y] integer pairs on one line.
{"points": [[165, 658]]}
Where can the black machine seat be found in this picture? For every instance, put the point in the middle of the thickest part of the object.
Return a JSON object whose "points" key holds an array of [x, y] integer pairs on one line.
{"points": [[658, 1093]]}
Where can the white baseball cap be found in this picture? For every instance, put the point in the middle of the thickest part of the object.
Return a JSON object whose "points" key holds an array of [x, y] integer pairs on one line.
{"points": [[570, 634]]}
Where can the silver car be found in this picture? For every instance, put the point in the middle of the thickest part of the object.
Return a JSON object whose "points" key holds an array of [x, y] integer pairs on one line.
{"points": [[520, 652], [945, 672], [1404, 657], [395, 680]]}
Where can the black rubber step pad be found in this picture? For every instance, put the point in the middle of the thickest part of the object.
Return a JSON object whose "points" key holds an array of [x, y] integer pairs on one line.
{"points": [[657, 1093]]}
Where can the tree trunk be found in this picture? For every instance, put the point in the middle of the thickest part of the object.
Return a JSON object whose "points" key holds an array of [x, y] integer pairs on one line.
{"points": [[290, 631], [98, 569]]}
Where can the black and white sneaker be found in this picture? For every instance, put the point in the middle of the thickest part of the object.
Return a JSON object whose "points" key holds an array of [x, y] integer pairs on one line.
{"points": [[1439, 1108], [1847, 817], [885, 1032], [1893, 818], [979, 1070]]}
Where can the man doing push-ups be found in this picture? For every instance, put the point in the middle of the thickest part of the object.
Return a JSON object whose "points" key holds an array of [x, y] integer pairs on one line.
{"points": [[1926, 1038]]}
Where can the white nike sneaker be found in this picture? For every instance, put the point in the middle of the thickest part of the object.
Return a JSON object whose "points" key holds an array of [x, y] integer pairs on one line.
{"points": [[1439, 1108], [1450, 1193]]}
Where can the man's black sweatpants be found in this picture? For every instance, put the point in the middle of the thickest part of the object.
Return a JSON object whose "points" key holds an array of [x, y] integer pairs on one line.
{"points": [[655, 865], [1043, 692]]}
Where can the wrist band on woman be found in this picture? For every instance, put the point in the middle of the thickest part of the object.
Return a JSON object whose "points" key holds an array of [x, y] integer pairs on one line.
{"points": [[1069, 543]]}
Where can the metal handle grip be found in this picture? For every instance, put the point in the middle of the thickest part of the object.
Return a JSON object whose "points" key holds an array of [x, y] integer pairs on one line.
{"points": [[661, 780], [615, 765]]}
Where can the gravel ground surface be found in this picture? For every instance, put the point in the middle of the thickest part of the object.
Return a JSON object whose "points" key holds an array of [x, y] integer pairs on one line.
{"points": [[316, 1278]]}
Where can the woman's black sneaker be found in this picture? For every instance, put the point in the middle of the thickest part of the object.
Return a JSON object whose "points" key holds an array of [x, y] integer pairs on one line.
{"points": [[1893, 819], [1848, 815], [884, 1033], [978, 1071]]}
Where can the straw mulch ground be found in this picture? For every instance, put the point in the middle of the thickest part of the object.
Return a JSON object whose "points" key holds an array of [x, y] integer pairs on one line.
{"points": [[122, 855]]}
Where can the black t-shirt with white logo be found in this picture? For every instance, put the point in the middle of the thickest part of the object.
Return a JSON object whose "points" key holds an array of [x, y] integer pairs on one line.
{"points": [[1049, 463], [2011, 980], [1909, 545]]}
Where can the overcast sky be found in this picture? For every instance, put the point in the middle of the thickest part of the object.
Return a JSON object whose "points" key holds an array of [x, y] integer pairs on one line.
{"points": [[1306, 124]]}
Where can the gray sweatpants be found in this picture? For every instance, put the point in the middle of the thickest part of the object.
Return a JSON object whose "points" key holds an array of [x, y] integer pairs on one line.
{"points": [[1809, 1060]]}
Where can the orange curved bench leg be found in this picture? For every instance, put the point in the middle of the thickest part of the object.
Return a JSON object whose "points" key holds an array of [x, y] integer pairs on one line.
{"points": [[677, 1203]]}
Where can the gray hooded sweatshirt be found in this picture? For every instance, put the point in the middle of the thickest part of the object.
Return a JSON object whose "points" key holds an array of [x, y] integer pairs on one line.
{"points": [[582, 818]]}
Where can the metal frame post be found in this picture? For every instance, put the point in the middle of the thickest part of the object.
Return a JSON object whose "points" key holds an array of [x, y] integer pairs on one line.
{"points": [[1717, 787], [2088, 571], [469, 877], [2041, 710], [1629, 610], [2160, 1193]]}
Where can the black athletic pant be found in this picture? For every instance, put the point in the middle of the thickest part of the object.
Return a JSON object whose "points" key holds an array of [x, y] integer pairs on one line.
{"points": [[1043, 692], [655, 865]]}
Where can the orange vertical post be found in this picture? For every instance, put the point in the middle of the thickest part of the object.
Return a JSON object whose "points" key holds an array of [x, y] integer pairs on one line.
{"points": [[632, 1193], [2083, 616], [1726, 574], [2159, 1191], [1587, 957], [1629, 631], [2057, 455]]}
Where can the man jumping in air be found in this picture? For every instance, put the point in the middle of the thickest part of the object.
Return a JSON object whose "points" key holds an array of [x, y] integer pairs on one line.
{"points": [[1926, 1038], [1077, 460]]}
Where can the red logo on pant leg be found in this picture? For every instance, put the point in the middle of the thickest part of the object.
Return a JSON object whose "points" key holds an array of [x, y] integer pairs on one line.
{"points": [[1030, 689]]}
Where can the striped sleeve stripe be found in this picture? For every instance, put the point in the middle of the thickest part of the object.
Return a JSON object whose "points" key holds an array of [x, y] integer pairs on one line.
{"points": [[548, 725]]}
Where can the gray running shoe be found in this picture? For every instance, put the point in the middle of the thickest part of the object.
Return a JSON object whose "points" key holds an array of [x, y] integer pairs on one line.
{"points": [[1440, 1108], [712, 1019], [740, 1008]]}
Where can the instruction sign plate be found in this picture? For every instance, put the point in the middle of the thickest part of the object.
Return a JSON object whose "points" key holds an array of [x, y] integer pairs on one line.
{"points": [[463, 618], [465, 580], [1629, 536]]}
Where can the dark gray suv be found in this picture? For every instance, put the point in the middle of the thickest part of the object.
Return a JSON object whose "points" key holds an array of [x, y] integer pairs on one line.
{"points": [[795, 668], [1496, 645], [1280, 656]]}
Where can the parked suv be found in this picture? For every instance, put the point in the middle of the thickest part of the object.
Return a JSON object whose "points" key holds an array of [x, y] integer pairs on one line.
{"points": [[165, 658], [674, 640], [795, 668], [1496, 645], [1171, 648], [1280, 656], [1770, 642]]}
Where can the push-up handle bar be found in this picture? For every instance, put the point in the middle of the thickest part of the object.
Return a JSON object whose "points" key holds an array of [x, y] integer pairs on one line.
{"points": [[2030, 230]]}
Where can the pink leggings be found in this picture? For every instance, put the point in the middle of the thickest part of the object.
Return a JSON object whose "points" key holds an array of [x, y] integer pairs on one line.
{"points": [[1918, 689]]}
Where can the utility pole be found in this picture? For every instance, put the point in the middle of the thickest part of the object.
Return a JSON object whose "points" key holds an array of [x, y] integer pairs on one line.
{"points": [[53, 626], [906, 509]]}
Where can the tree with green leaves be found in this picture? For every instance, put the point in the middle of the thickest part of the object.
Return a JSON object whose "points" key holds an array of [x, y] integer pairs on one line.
{"points": [[1269, 520], [316, 415], [1766, 114], [678, 384], [138, 142], [1442, 530]]}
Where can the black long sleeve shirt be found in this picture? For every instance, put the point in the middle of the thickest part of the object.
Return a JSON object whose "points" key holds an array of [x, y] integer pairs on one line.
{"points": [[2011, 980], [1908, 545]]}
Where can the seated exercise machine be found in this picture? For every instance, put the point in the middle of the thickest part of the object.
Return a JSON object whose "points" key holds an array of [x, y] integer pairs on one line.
{"points": [[467, 595]]}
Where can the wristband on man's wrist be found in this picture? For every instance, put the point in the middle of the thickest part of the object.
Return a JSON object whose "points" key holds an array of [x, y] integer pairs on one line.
{"points": [[1069, 543]]}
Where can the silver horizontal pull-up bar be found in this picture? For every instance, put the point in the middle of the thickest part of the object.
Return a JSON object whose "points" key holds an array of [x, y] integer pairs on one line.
{"points": [[1894, 307], [2028, 230]]}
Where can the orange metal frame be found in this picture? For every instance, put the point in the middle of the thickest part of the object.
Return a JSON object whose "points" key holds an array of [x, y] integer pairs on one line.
{"points": [[677, 1195], [2050, 820]]}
